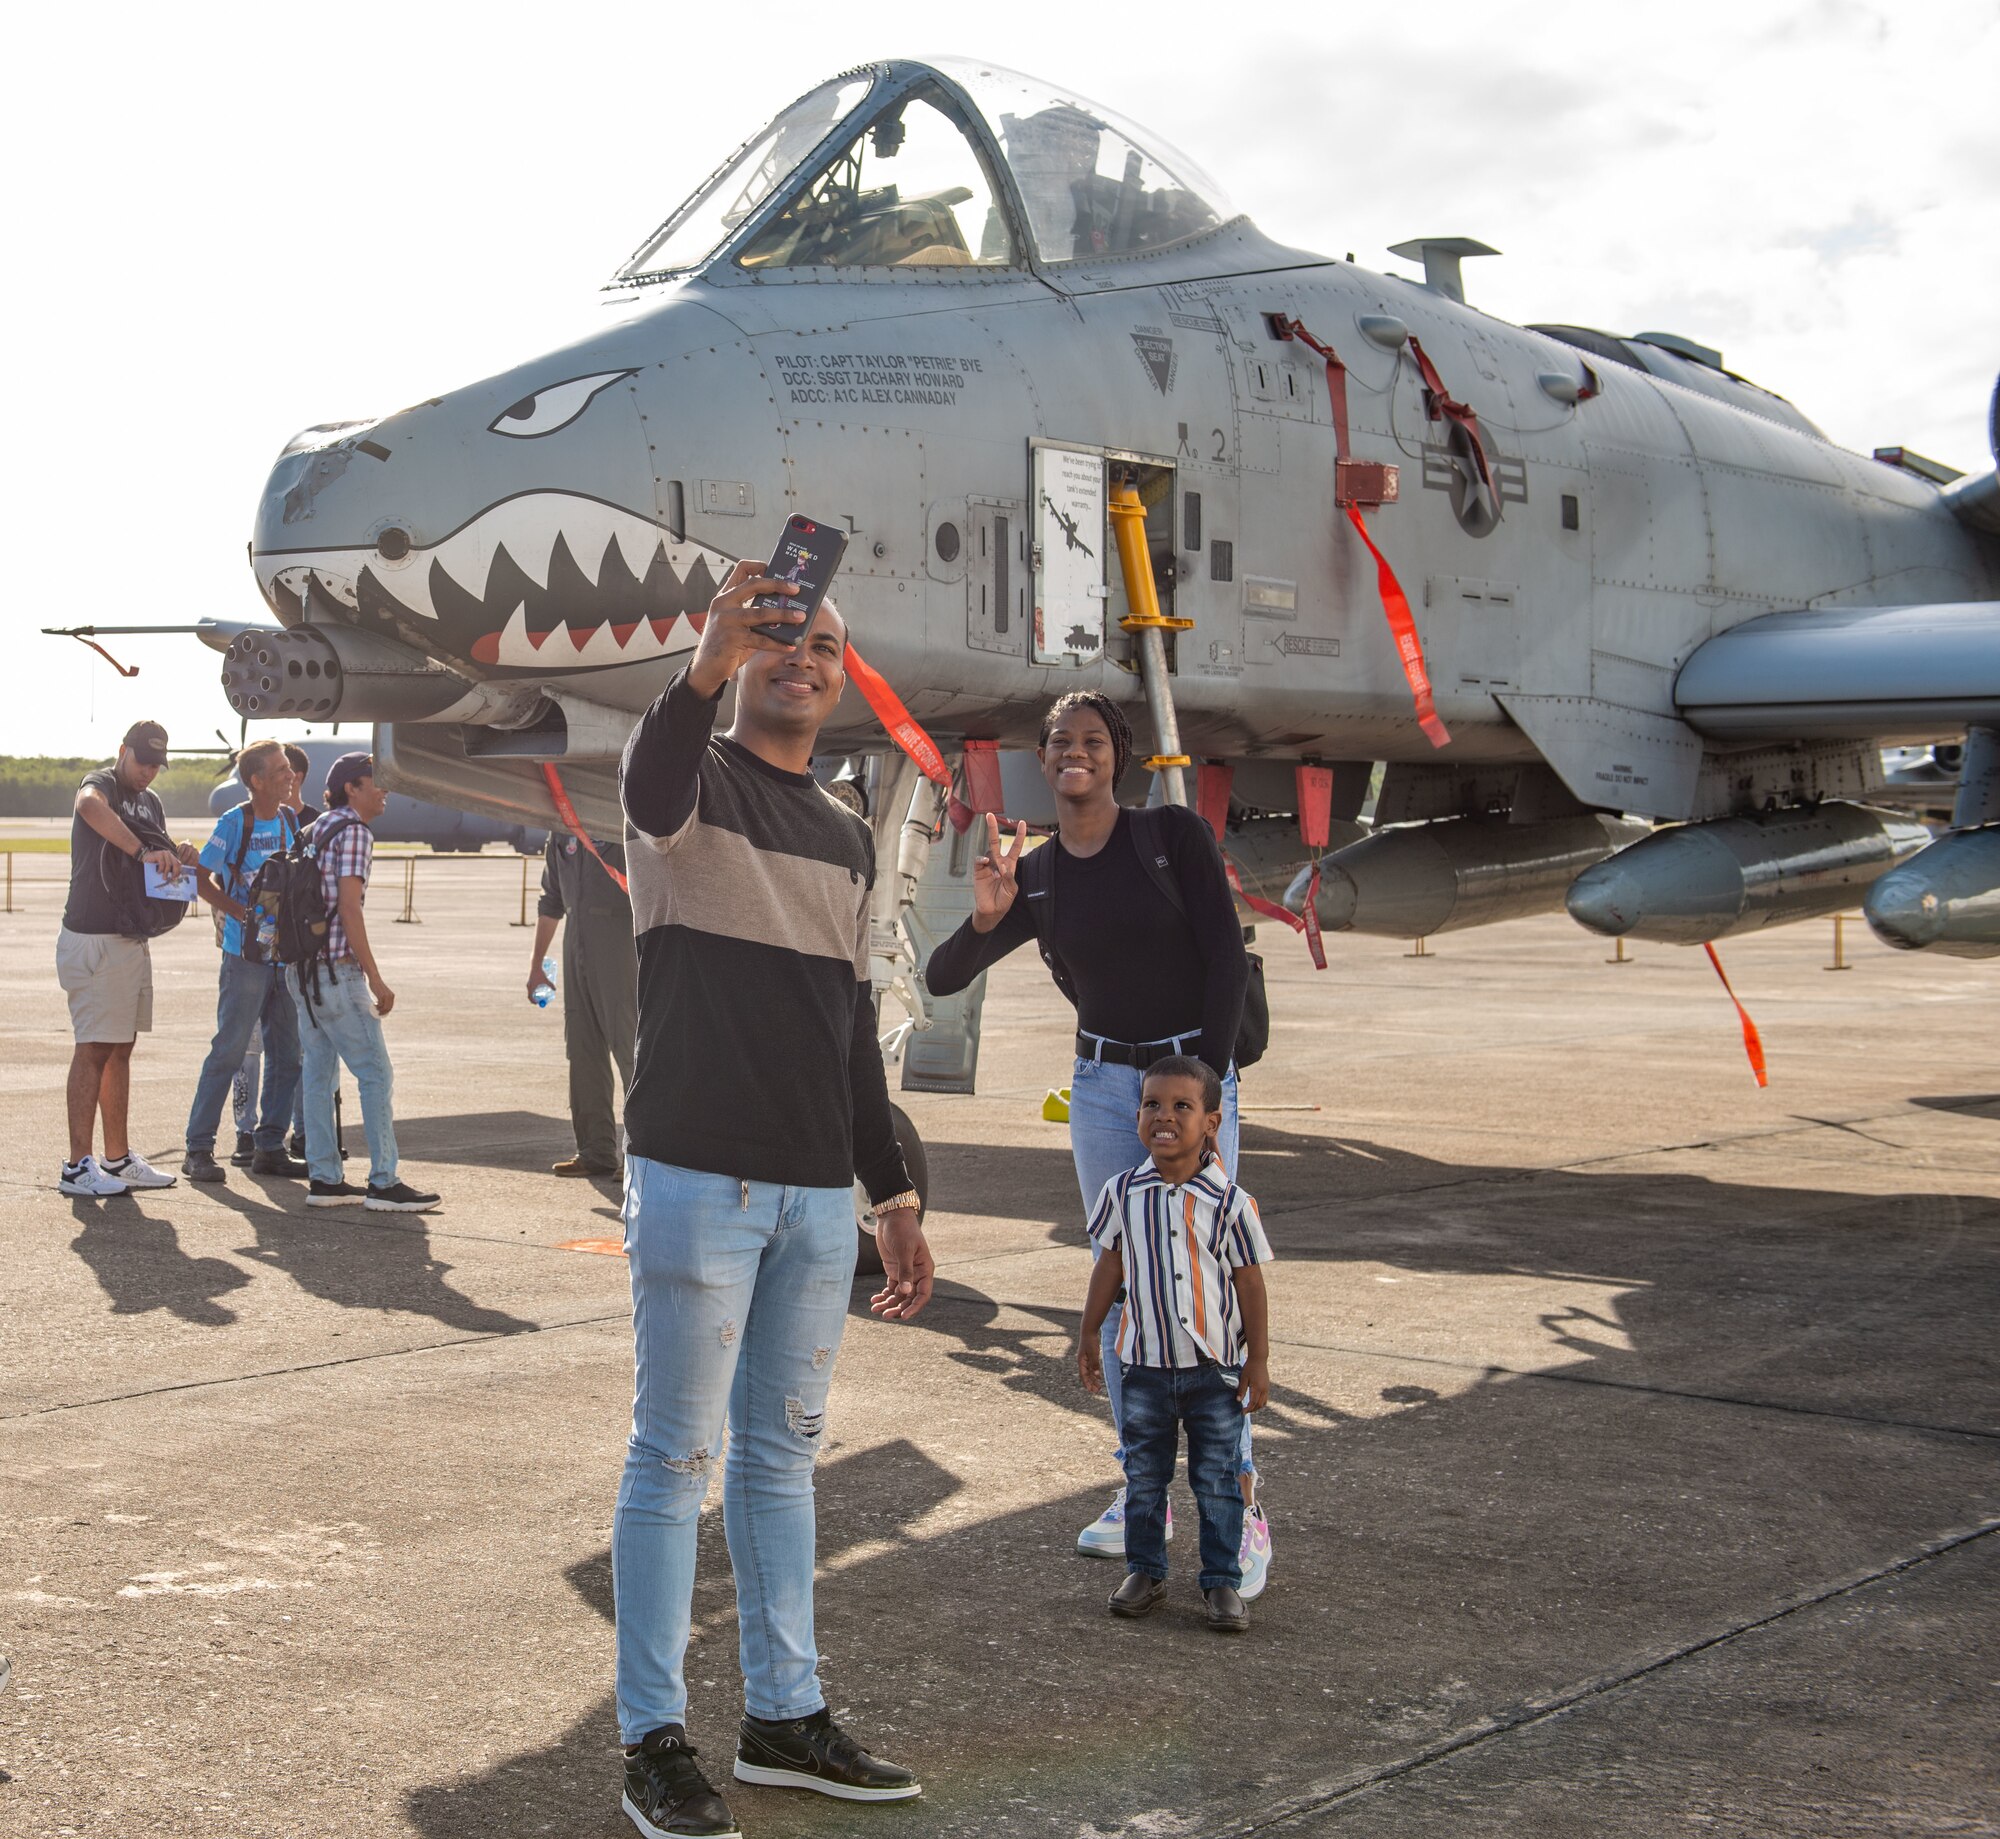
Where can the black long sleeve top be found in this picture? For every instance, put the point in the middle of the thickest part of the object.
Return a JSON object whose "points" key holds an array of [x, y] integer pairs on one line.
{"points": [[1142, 970], [757, 1055]]}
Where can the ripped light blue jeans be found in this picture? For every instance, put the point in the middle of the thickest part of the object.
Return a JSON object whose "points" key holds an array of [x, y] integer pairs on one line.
{"points": [[739, 1296], [1104, 1139]]}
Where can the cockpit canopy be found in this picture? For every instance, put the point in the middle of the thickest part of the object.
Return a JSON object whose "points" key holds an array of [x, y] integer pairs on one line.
{"points": [[955, 164]]}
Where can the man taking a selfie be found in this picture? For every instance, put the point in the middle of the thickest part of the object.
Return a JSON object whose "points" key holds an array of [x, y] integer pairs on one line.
{"points": [[758, 1098]]}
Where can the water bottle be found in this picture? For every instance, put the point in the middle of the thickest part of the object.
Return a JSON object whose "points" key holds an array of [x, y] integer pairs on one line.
{"points": [[546, 990], [267, 931]]}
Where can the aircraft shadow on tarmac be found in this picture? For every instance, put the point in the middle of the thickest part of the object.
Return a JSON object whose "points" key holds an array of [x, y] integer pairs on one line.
{"points": [[1667, 1461], [346, 1258]]}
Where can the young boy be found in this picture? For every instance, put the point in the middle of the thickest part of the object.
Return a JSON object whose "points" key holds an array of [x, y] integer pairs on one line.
{"points": [[1185, 1244]]}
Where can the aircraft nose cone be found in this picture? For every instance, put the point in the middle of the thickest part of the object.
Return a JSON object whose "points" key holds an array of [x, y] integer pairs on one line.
{"points": [[1903, 908], [1606, 898]]}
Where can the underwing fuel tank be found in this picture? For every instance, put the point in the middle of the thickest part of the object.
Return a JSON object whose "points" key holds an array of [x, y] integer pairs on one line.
{"points": [[1413, 880], [1696, 882], [1944, 899]]}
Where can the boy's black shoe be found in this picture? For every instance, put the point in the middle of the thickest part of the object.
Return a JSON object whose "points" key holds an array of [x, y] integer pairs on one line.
{"points": [[399, 1197], [295, 1143], [1227, 1614], [1138, 1595], [333, 1194], [246, 1147], [276, 1162], [814, 1752], [666, 1794], [199, 1165]]}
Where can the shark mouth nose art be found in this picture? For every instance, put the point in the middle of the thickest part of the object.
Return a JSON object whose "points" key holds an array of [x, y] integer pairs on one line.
{"points": [[546, 580]]}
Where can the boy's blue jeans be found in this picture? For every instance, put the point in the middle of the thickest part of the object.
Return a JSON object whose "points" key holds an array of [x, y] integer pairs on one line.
{"points": [[1104, 1141], [1158, 1401], [248, 996], [342, 1026], [739, 1296]]}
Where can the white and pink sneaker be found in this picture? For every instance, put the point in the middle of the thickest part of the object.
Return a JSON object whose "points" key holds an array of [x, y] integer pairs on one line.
{"points": [[1104, 1537], [1254, 1554]]}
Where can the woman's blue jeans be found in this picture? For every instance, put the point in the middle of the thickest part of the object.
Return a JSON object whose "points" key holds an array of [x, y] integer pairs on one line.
{"points": [[1104, 1139], [739, 1296]]}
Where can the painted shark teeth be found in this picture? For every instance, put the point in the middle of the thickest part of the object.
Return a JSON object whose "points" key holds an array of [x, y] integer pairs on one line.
{"points": [[546, 580]]}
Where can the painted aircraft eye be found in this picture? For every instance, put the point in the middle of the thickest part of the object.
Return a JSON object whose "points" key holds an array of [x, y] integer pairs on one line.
{"points": [[552, 408]]}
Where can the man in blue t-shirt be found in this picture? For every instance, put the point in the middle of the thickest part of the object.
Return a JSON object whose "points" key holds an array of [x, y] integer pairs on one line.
{"points": [[252, 991]]}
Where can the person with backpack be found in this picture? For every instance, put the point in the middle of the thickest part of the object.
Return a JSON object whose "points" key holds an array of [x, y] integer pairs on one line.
{"points": [[251, 983], [102, 956], [1134, 917], [246, 1086], [338, 990]]}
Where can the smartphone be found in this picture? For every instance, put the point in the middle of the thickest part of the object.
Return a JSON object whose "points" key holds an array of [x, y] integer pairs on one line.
{"points": [[808, 554]]}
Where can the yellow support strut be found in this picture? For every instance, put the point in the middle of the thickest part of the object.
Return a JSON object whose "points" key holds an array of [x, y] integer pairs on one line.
{"points": [[1146, 623]]}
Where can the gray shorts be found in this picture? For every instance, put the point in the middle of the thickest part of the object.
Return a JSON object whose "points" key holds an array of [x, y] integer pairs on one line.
{"points": [[109, 981]]}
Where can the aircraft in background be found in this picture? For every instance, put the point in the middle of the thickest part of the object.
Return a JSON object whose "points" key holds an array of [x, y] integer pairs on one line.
{"points": [[1558, 586], [404, 819]]}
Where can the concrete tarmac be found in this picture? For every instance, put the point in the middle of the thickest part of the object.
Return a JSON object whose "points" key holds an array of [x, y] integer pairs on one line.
{"points": [[1631, 1461]]}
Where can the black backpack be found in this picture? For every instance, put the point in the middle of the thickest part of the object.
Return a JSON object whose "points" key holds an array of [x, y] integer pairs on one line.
{"points": [[140, 915], [253, 952], [1149, 838], [289, 889]]}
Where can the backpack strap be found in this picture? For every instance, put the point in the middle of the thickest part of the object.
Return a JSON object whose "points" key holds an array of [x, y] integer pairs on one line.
{"points": [[1149, 838]]}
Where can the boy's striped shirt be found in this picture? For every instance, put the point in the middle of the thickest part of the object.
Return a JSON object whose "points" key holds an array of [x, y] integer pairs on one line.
{"points": [[1179, 1245]]}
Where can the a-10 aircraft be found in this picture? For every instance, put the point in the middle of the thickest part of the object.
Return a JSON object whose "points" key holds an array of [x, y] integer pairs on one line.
{"points": [[962, 312]]}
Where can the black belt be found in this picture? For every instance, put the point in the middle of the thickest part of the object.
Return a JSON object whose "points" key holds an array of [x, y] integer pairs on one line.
{"points": [[1141, 1054]]}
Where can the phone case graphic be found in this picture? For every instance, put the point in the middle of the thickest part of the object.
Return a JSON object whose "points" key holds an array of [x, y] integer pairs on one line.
{"points": [[807, 556]]}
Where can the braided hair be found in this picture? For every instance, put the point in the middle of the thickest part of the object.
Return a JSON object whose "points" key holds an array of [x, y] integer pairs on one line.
{"points": [[1106, 711]]}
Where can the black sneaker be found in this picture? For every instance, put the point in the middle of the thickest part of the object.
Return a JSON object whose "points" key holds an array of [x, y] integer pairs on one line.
{"points": [[199, 1165], [666, 1794], [276, 1162], [399, 1197], [246, 1147], [296, 1143], [333, 1194], [815, 1753]]}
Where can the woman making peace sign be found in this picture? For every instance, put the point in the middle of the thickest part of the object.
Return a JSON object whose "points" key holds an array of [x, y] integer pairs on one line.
{"points": [[1149, 976]]}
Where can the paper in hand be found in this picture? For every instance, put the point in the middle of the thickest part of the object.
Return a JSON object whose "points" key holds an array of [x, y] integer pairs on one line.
{"points": [[178, 886]]}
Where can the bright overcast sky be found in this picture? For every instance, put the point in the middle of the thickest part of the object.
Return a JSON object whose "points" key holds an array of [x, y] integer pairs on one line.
{"points": [[228, 223]]}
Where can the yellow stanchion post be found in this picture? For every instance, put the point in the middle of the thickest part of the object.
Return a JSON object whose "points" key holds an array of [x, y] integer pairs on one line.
{"points": [[523, 920], [1618, 956], [10, 881], [408, 916], [1418, 949], [1840, 962]]}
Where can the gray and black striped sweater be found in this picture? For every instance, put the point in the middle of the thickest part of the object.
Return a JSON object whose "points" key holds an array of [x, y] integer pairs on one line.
{"points": [[757, 1055]]}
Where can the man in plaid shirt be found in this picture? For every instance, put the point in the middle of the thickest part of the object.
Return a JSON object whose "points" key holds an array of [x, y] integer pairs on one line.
{"points": [[342, 1003]]}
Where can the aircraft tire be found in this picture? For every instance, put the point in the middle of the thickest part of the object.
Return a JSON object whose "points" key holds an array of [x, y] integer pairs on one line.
{"points": [[868, 1259]]}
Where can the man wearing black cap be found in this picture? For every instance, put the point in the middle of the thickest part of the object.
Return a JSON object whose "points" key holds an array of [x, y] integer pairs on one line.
{"points": [[341, 1004], [104, 966]]}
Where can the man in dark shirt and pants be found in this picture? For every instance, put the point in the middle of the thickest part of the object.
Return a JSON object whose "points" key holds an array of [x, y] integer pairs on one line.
{"points": [[757, 1098], [600, 990], [107, 971]]}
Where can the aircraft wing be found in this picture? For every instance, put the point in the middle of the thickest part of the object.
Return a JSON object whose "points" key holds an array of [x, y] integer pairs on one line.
{"points": [[1862, 673]]}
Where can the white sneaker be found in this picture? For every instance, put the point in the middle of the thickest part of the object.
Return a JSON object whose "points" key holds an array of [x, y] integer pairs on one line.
{"points": [[136, 1172], [1254, 1554], [87, 1179], [1104, 1537]]}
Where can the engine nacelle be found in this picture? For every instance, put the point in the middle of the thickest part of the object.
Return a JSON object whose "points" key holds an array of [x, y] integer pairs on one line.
{"points": [[1697, 882], [1413, 880], [1945, 898]]}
